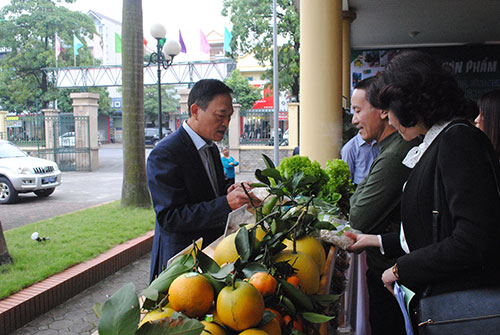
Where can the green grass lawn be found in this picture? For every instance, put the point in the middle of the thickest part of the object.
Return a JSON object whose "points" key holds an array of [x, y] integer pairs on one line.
{"points": [[74, 238]]}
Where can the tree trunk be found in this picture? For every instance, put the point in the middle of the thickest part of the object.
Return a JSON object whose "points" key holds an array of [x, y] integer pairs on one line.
{"points": [[4, 253], [135, 192]]}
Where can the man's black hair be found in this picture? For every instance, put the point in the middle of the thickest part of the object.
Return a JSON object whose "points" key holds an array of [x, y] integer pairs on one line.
{"points": [[205, 91]]}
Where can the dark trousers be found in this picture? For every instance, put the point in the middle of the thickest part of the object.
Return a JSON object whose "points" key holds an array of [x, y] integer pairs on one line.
{"points": [[229, 181], [386, 317]]}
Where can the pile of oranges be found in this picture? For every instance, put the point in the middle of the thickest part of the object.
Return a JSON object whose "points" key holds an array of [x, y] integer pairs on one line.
{"points": [[247, 306]]}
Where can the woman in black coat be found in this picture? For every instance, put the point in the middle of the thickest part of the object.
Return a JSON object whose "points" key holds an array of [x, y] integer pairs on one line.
{"points": [[423, 99]]}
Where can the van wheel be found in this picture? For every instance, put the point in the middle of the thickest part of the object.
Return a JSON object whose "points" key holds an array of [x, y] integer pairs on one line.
{"points": [[45, 193], [8, 194]]}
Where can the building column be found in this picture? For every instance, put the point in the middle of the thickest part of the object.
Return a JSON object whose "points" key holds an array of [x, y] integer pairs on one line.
{"points": [[321, 79], [86, 104], [3, 125], [347, 18], [293, 124], [234, 135], [183, 100]]}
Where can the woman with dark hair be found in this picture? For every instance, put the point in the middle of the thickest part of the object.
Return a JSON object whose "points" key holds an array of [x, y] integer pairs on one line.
{"points": [[425, 100], [488, 119]]}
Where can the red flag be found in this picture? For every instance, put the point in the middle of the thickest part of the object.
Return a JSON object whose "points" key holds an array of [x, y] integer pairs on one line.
{"points": [[148, 49]]}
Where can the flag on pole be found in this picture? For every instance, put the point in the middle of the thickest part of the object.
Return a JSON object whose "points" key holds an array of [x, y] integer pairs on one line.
{"points": [[204, 46], [77, 44], [227, 40], [97, 49], [118, 43], [57, 44], [146, 48], [181, 42]]}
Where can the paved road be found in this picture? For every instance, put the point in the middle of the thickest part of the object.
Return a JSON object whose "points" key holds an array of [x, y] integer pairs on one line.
{"points": [[78, 190]]}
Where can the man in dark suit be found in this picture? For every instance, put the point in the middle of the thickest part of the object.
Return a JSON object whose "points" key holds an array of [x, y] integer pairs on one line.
{"points": [[186, 178]]}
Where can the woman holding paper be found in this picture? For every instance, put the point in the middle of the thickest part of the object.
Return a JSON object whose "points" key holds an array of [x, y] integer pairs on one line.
{"points": [[455, 158]]}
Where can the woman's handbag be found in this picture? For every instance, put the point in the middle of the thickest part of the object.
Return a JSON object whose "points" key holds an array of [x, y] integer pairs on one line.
{"points": [[471, 311]]}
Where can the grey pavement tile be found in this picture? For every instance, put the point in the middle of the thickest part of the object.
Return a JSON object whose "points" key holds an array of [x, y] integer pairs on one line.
{"points": [[62, 324], [76, 316]]}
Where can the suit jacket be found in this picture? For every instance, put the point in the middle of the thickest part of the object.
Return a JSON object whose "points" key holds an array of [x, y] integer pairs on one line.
{"points": [[185, 204], [469, 233]]}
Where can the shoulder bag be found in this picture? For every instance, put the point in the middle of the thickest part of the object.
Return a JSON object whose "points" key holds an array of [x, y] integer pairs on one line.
{"points": [[470, 311]]}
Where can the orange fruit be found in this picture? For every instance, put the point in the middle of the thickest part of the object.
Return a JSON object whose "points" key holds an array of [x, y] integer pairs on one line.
{"points": [[212, 328], [157, 314], [306, 268], [254, 331], [225, 251], [191, 294], [296, 324], [264, 282], [240, 308], [278, 316], [294, 280], [309, 246], [272, 327], [259, 232]]}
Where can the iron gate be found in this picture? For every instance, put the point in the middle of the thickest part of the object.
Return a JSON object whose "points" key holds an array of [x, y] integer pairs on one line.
{"points": [[63, 138]]}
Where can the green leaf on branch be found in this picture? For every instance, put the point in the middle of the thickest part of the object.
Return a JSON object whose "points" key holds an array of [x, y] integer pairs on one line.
{"points": [[178, 324], [315, 317], [120, 313], [150, 293], [224, 272], [260, 177], [272, 173], [325, 299], [252, 268], [245, 243], [206, 263], [268, 161], [253, 185]]}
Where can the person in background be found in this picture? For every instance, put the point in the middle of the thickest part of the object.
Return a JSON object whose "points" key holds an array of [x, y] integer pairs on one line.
{"points": [[422, 99], [375, 202], [186, 179], [359, 155], [488, 119], [228, 162]]}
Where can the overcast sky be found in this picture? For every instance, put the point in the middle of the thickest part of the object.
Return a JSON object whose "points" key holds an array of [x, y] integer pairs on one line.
{"points": [[187, 15]]}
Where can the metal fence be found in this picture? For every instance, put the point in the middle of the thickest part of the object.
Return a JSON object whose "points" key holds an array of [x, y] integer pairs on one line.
{"points": [[63, 138], [257, 128]]}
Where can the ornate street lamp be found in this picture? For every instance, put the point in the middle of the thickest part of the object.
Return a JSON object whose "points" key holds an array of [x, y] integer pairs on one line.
{"points": [[164, 59]]}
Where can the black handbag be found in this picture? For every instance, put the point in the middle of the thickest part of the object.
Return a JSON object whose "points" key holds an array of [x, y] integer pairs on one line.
{"points": [[470, 311]]}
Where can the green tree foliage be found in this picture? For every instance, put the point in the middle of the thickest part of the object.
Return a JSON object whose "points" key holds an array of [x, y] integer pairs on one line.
{"points": [[135, 192], [245, 94], [27, 30], [169, 102], [253, 33]]}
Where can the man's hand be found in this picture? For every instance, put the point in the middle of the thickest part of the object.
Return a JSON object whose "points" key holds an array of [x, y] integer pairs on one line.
{"points": [[362, 241], [388, 278], [236, 196]]}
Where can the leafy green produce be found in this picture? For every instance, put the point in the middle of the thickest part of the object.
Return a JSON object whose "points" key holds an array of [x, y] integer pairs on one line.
{"points": [[339, 188]]}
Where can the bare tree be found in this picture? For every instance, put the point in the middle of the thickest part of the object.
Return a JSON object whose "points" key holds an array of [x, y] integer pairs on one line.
{"points": [[4, 252], [135, 192]]}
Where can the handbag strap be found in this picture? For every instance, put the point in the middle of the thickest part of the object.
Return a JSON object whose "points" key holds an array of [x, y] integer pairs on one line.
{"points": [[435, 211]]}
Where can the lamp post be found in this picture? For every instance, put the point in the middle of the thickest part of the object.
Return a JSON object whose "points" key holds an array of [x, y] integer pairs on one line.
{"points": [[163, 59]]}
